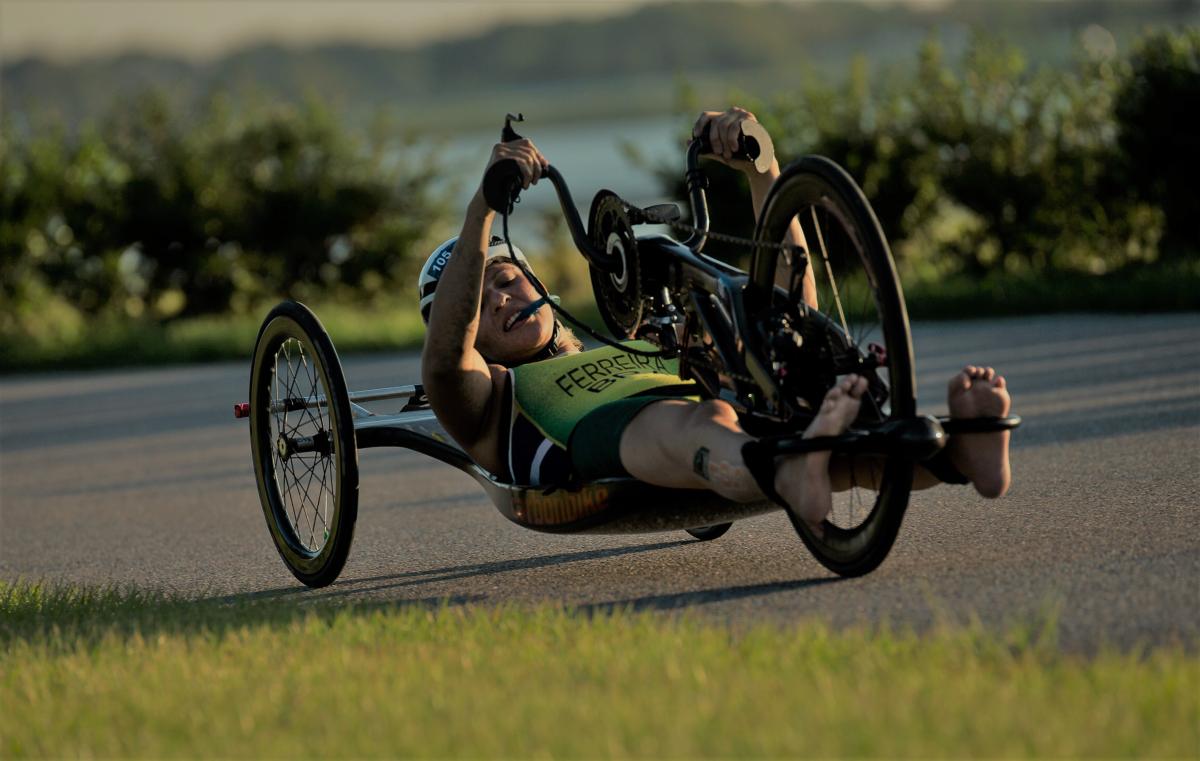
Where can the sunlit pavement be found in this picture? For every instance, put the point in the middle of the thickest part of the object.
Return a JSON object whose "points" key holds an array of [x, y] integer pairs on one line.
{"points": [[144, 477]]}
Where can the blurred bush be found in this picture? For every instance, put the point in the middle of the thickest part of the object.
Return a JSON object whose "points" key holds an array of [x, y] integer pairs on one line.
{"points": [[153, 216], [991, 166], [1155, 113], [981, 166]]}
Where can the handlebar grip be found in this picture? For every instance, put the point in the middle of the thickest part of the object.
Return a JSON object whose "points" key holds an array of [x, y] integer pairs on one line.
{"points": [[754, 145], [502, 185], [502, 181]]}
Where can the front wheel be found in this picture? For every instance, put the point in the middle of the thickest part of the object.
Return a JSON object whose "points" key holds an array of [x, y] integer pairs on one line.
{"points": [[302, 440], [840, 310]]}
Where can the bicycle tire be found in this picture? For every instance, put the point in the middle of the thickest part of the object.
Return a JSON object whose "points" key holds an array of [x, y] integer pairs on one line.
{"points": [[817, 189], [285, 478]]}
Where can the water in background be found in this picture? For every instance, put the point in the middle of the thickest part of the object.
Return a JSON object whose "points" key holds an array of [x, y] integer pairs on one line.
{"points": [[588, 154]]}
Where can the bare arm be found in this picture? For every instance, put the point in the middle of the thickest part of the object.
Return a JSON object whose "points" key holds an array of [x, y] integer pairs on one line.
{"points": [[463, 389], [457, 379], [723, 128]]}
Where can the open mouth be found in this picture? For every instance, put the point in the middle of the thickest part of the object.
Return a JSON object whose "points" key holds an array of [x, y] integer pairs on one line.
{"points": [[515, 319]]}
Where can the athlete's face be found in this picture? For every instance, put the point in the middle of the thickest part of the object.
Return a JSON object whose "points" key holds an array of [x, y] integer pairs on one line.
{"points": [[503, 336]]}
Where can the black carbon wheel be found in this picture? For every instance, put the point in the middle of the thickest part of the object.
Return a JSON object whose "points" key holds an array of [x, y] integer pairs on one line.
{"points": [[709, 533], [859, 324], [302, 439]]}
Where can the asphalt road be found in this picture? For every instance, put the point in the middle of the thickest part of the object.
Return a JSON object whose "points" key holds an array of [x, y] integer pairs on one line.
{"points": [[143, 477]]}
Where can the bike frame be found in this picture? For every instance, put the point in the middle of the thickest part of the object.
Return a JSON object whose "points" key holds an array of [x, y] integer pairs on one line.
{"points": [[606, 506], [714, 293], [722, 299]]}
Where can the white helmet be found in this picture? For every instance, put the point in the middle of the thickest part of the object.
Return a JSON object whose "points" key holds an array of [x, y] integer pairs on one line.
{"points": [[435, 265]]}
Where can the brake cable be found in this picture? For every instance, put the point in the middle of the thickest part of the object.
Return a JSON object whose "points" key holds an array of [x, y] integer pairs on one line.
{"points": [[559, 309]]}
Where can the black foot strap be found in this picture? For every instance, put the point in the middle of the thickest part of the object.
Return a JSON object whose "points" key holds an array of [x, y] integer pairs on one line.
{"points": [[759, 457]]}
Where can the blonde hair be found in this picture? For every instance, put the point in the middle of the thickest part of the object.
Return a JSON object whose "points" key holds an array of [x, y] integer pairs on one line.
{"points": [[568, 342]]}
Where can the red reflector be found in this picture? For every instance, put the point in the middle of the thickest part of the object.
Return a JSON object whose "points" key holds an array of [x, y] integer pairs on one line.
{"points": [[241, 410]]}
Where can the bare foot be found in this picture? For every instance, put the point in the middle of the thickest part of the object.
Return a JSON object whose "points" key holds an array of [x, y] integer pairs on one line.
{"points": [[982, 457], [803, 480]]}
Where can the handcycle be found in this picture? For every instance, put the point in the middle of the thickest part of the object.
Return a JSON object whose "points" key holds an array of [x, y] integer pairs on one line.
{"points": [[746, 337]]}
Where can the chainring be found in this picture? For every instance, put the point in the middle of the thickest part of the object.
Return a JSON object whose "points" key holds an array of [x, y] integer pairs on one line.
{"points": [[618, 294]]}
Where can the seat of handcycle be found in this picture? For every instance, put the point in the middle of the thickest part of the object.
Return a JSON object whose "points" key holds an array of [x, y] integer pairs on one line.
{"points": [[604, 506], [613, 506]]}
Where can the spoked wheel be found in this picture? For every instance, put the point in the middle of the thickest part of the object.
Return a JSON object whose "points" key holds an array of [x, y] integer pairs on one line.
{"points": [[302, 438], [858, 324], [709, 533]]}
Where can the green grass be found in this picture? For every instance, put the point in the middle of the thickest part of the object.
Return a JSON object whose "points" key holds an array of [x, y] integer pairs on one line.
{"points": [[354, 328], [123, 673], [389, 327], [1171, 288]]}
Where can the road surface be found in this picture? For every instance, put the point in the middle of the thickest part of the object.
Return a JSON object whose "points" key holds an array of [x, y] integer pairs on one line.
{"points": [[143, 477]]}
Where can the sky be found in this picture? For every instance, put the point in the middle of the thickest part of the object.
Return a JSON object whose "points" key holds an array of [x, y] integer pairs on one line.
{"points": [[201, 29]]}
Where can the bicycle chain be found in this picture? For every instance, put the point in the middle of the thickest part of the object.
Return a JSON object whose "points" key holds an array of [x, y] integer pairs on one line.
{"points": [[787, 249], [698, 359], [722, 237]]}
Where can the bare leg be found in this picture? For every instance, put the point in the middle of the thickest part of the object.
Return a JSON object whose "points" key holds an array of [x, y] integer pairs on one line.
{"points": [[684, 445]]}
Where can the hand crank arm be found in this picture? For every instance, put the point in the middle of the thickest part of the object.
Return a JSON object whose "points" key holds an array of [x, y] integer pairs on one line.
{"points": [[919, 438]]}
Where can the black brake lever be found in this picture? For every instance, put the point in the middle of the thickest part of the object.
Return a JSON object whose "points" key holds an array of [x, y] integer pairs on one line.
{"points": [[659, 214], [508, 134]]}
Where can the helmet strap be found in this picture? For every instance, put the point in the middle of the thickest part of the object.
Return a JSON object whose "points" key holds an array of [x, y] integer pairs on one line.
{"points": [[551, 348]]}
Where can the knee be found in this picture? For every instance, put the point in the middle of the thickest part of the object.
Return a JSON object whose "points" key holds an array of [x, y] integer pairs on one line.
{"points": [[716, 411]]}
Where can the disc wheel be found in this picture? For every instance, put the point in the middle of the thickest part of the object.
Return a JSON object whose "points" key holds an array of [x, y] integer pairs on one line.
{"points": [[302, 439], [709, 533], [618, 294], [859, 324]]}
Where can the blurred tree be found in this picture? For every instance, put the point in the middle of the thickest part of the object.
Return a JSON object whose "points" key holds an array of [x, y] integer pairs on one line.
{"points": [[987, 165], [1155, 106], [152, 214]]}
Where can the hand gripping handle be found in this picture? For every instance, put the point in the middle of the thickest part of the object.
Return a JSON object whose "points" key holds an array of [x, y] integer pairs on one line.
{"points": [[754, 144], [502, 181]]}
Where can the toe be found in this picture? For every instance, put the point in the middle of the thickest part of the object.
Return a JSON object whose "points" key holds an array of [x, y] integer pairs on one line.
{"points": [[859, 388], [959, 382], [999, 382]]}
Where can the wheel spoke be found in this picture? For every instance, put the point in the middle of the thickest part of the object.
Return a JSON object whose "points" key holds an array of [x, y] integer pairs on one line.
{"points": [[311, 502], [297, 505], [307, 475], [829, 270]]}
